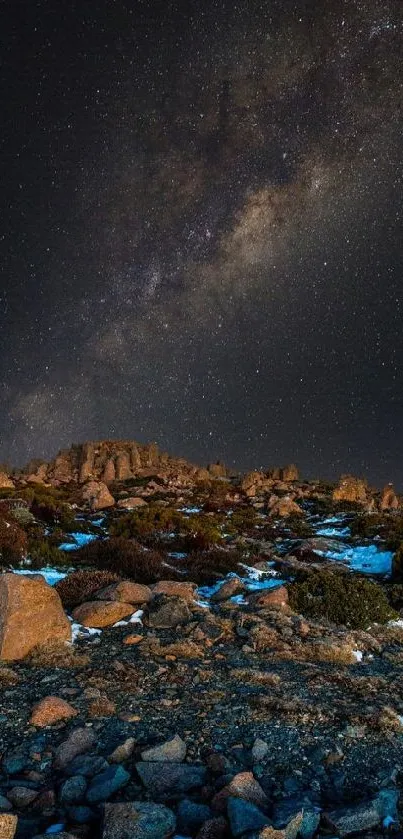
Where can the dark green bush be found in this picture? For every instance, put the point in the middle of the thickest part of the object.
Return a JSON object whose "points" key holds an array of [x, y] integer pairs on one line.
{"points": [[147, 520], [42, 553], [340, 598], [125, 558], [206, 567], [80, 586]]}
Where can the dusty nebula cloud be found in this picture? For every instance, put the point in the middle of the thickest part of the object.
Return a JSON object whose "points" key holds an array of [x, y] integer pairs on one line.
{"points": [[202, 231]]}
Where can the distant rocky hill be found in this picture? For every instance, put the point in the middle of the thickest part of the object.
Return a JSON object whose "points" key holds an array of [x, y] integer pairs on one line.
{"points": [[112, 460]]}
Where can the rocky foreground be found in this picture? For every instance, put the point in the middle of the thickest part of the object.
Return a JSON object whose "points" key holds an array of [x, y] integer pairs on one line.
{"points": [[221, 655]]}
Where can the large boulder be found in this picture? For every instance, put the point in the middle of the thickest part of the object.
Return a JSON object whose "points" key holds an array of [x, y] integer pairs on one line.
{"points": [[31, 613], [126, 591], [5, 481], [389, 500], [97, 494], [101, 613], [351, 489]]}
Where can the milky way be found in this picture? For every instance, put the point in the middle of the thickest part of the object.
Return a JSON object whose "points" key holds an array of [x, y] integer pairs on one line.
{"points": [[201, 235]]}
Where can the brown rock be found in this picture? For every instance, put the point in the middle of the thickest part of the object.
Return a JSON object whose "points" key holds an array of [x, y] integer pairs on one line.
{"points": [[389, 500], [245, 786], [168, 612], [228, 589], [284, 507], [133, 639], [109, 472], [123, 468], [289, 473], [272, 597], [97, 494], [171, 588], [172, 751], [31, 613], [131, 503], [101, 613], [8, 825], [351, 489], [80, 740], [5, 481], [126, 592], [51, 710], [123, 751], [87, 462]]}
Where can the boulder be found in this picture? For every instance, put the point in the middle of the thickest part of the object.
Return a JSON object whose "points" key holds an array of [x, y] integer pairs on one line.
{"points": [[289, 473], [97, 495], [109, 472], [126, 592], [104, 785], [31, 613], [138, 820], [245, 817], [5, 481], [80, 740], [271, 597], [168, 612], [228, 589], [131, 503], [284, 507], [360, 817], [162, 778], [351, 489], [244, 785], [172, 751], [171, 588], [389, 500], [51, 710], [101, 613]]}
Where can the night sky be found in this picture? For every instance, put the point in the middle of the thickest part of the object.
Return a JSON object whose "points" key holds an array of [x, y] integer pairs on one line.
{"points": [[201, 230]]}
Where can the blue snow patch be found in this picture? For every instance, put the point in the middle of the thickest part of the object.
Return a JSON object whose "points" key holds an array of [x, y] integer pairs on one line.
{"points": [[80, 539], [190, 510], [177, 555], [367, 559], [50, 574], [334, 532]]}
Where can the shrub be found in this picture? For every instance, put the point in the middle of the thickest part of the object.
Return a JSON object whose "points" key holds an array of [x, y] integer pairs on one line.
{"points": [[206, 567], [148, 520], [13, 540], [55, 654], [125, 558], [80, 586], [340, 598]]}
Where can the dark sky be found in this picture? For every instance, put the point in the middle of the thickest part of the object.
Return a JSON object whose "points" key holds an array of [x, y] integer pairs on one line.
{"points": [[201, 230]]}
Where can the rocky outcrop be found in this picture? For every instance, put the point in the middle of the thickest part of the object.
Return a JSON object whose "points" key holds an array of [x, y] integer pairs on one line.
{"points": [[5, 481], [351, 489], [97, 494], [389, 499], [31, 614], [290, 473], [283, 507]]}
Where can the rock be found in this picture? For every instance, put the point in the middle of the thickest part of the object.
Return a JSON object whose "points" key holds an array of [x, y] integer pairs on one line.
{"points": [[80, 814], [21, 797], [271, 597], [260, 750], [131, 640], [126, 592], [138, 820], [245, 817], [168, 612], [162, 778], [346, 820], [123, 751], [351, 489], [73, 789], [284, 507], [172, 751], [14, 763], [386, 803], [296, 817], [5, 804], [79, 741], [104, 785], [31, 613], [192, 816], [8, 825], [389, 500], [171, 588], [123, 467], [228, 589], [245, 786], [5, 481], [109, 472], [216, 828], [86, 765], [289, 473], [97, 494], [51, 710], [131, 503], [101, 613]]}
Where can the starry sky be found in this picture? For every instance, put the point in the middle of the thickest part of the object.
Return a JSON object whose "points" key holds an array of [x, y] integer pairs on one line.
{"points": [[201, 230]]}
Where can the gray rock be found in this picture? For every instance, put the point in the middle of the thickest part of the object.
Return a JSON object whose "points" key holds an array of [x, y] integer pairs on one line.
{"points": [[172, 751], [244, 817], [73, 789], [348, 820], [87, 765], [5, 804], [14, 763], [161, 778], [259, 750], [192, 816], [103, 786], [167, 612], [138, 820], [80, 740], [81, 814], [296, 816]]}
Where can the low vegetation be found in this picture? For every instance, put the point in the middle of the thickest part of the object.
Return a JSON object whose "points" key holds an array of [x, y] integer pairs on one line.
{"points": [[340, 598]]}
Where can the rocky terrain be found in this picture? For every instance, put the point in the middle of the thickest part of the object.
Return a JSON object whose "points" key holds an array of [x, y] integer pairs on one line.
{"points": [[188, 652]]}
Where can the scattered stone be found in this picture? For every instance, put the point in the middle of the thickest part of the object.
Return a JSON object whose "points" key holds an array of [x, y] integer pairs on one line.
{"points": [[80, 740], [216, 828], [31, 613], [132, 640], [101, 613], [192, 816], [168, 612], [87, 765], [162, 778], [123, 751], [245, 817], [245, 786], [171, 588], [51, 710], [138, 820], [21, 797], [346, 820], [173, 751], [5, 804], [228, 589], [260, 750], [104, 785], [73, 789]]}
